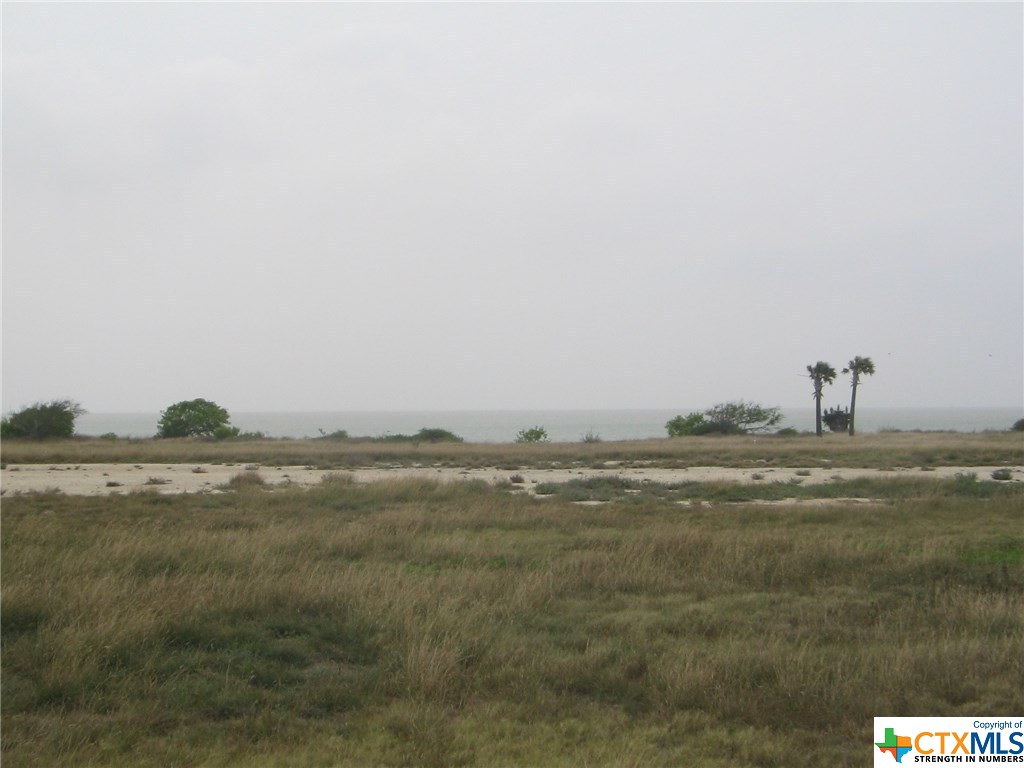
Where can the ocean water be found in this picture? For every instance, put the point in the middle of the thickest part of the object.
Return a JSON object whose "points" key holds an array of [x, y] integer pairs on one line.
{"points": [[562, 426]]}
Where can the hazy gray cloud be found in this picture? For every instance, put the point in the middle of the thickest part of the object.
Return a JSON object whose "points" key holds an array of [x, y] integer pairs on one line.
{"points": [[346, 206]]}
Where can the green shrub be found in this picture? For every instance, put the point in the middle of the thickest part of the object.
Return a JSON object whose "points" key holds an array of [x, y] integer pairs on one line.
{"points": [[225, 431], [195, 418], [436, 435], [684, 426], [532, 435], [740, 417], [53, 419], [732, 418], [425, 435], [1002, 474], [1018, 426]]}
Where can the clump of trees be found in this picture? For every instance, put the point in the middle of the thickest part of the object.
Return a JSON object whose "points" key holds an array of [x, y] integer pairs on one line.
{"points": [[732, 418], [820, 374], [53, 419], [195, 418]]}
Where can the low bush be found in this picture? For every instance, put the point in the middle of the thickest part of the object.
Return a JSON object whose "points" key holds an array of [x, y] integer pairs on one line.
{"points": [[338, 434], [436, 435], [685, 426], [532, 435], [837, 419], [425, 435], [247, 479], [732, 418]]}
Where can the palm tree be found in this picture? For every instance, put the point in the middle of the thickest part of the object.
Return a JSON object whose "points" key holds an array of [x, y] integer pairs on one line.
{"points": [[821, 374], [859, 366]]}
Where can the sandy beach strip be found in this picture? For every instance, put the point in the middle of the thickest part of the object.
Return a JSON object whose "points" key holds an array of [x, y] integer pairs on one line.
{"points": [[104, 479]]}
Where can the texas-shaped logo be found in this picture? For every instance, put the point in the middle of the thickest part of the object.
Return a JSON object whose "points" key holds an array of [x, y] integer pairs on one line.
{"points": [[897, 746]]}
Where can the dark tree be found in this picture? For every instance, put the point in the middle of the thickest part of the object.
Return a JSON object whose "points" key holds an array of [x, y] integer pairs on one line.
{"points": [[53, 419], [836, 420]]}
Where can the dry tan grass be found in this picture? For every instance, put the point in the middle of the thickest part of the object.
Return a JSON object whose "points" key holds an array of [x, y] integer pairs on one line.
{"points": [[872, 450], [417, 623]]}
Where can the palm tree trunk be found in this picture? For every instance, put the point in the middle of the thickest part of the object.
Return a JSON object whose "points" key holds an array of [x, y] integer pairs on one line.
{"points": [[853, 403], [817, 410]]}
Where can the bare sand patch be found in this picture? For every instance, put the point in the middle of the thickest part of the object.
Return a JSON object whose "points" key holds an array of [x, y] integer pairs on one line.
{"points": [[104, 479]]}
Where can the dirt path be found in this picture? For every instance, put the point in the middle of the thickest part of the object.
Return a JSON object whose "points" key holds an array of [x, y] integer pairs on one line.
{"points": [[103, 479]]}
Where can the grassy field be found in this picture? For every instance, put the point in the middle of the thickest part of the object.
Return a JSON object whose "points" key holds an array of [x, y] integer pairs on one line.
{"points": [[906, 449], [412, 623]]}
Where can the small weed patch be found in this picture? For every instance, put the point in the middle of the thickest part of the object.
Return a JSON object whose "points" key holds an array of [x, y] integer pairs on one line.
{"points": [[247, 480]]}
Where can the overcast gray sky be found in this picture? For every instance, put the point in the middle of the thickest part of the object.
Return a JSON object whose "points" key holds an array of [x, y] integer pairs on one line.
{"points": [[476, 206]]}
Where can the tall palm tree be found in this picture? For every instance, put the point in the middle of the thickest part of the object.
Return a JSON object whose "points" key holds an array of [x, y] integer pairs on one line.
{"points": [[859, 366], [821, 374]]}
